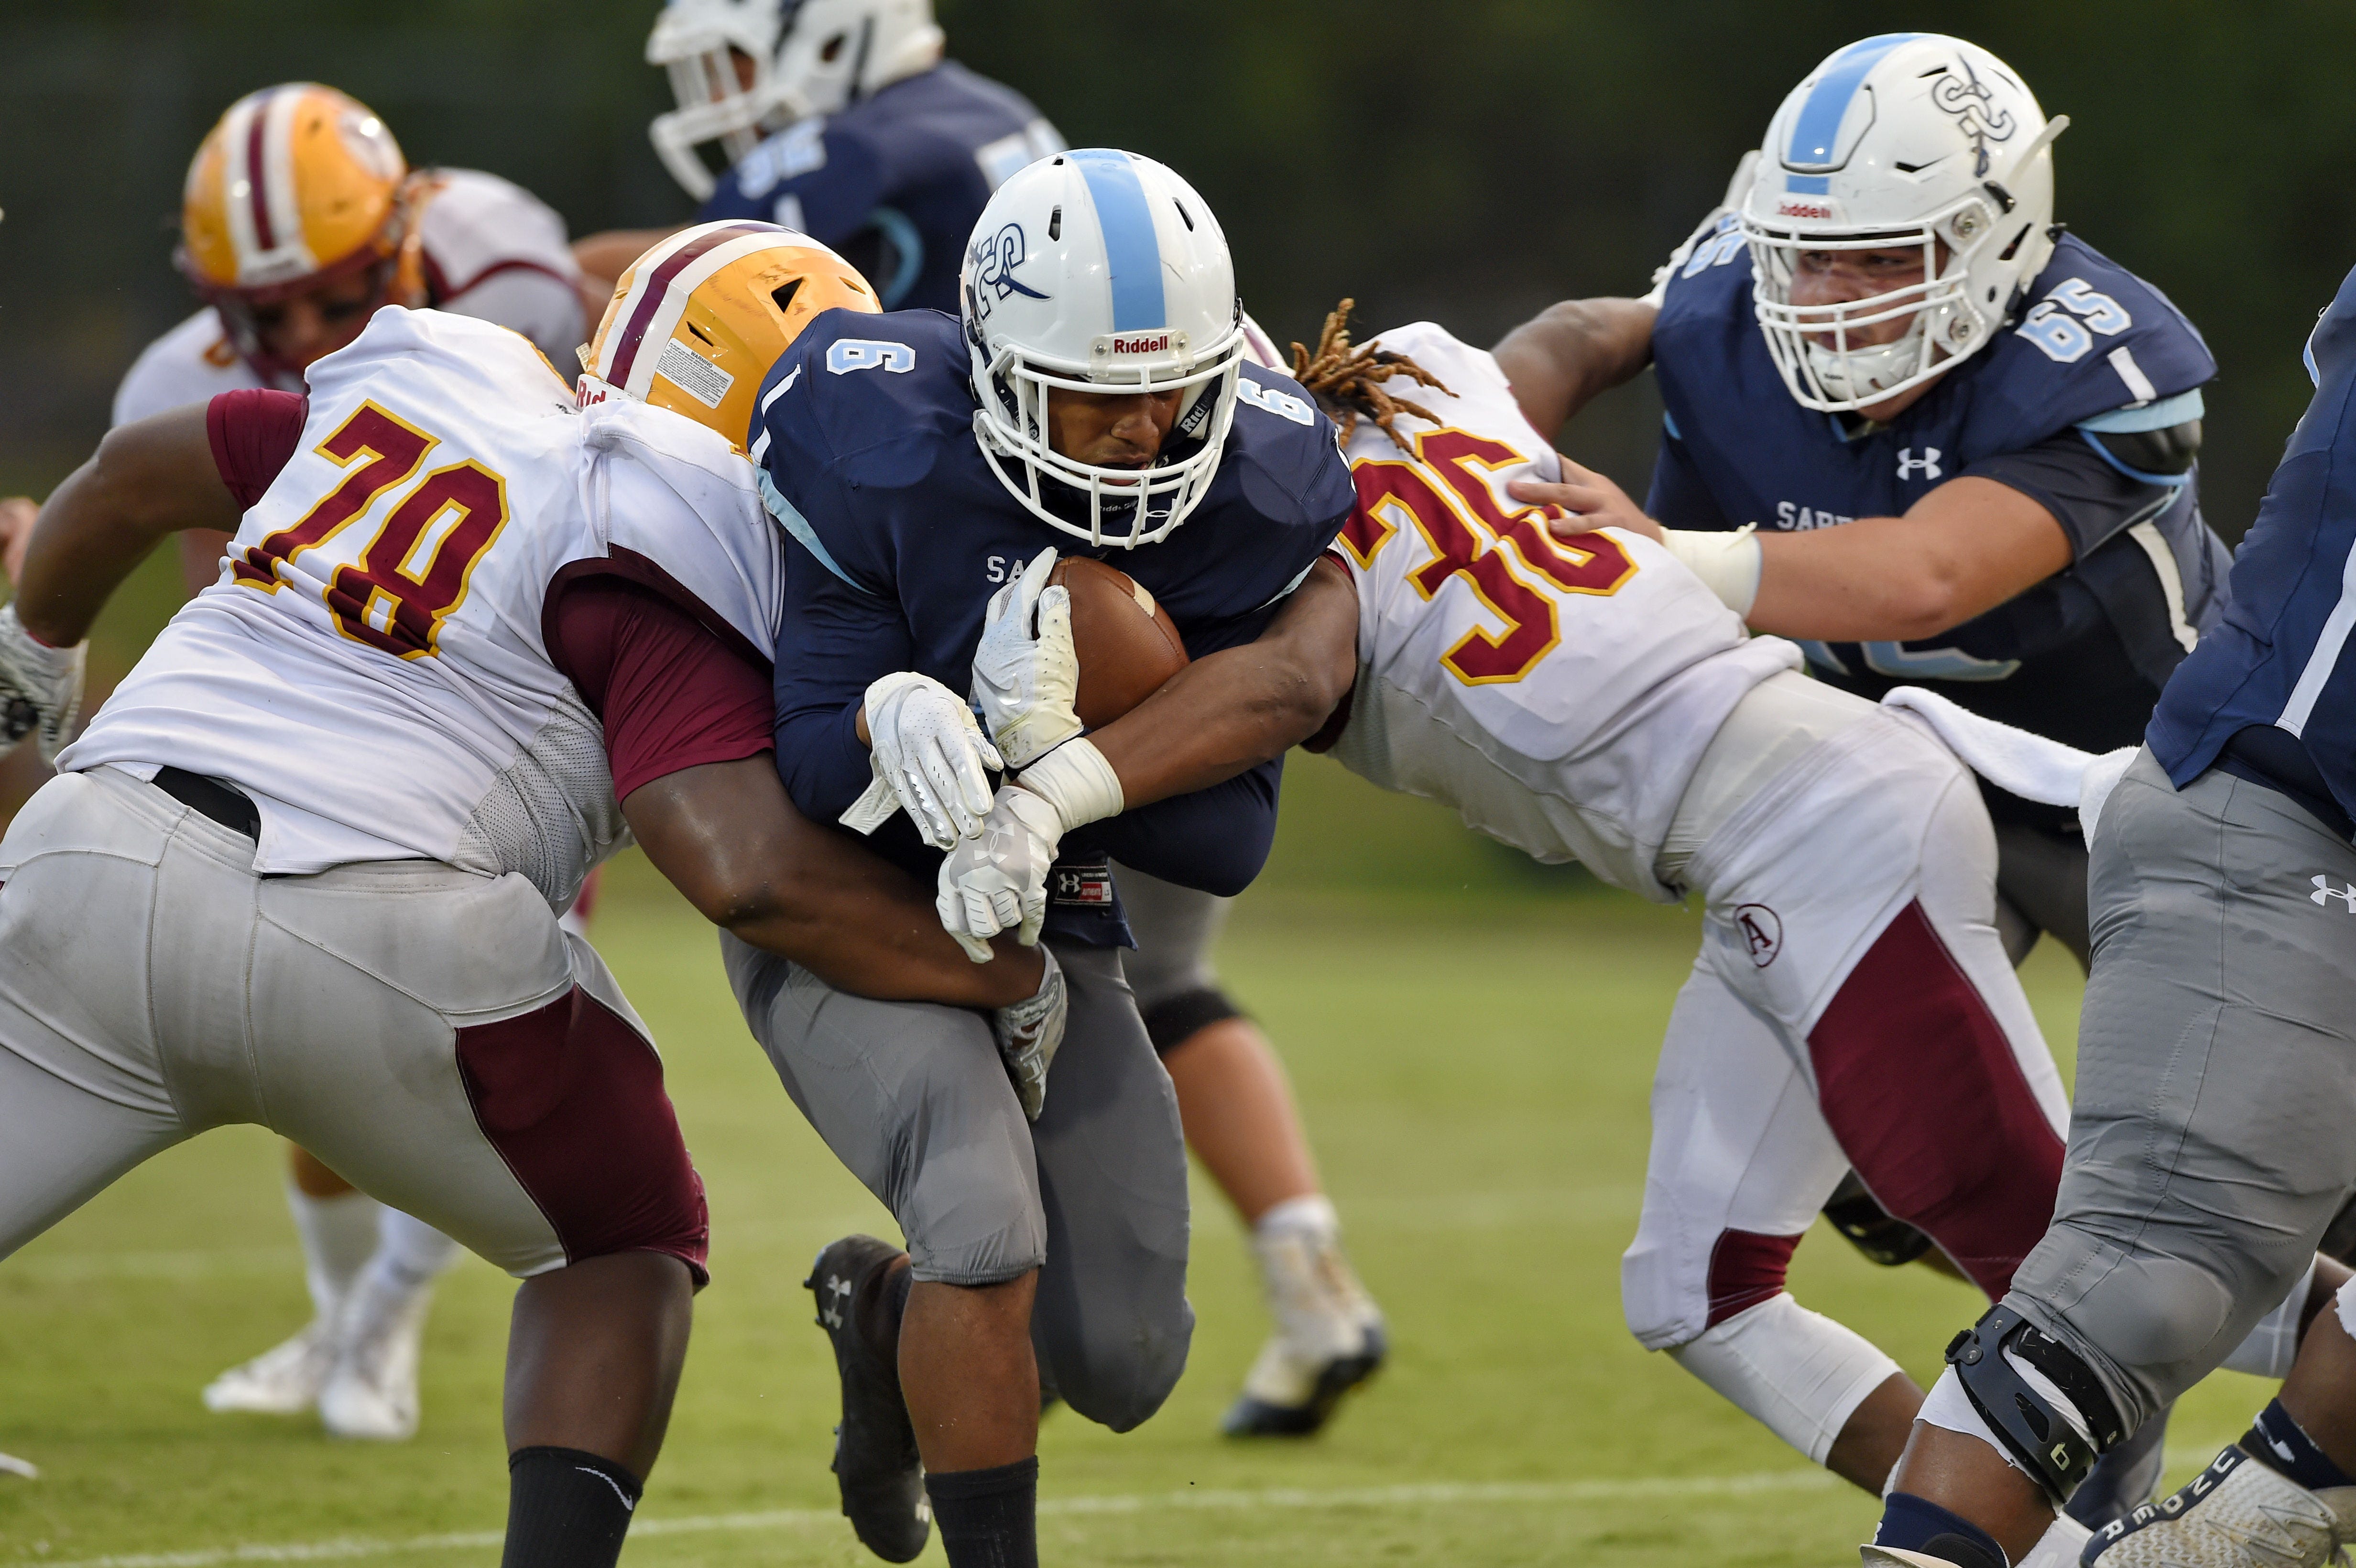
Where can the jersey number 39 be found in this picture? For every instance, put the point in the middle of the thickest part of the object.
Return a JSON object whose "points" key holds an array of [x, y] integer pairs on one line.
{"points": [[1392, 493], [413, 573]]}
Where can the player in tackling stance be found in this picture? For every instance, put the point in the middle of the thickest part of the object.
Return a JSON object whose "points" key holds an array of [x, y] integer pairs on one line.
{"points": [[300, 219], [1588, 698], [473, 639]]}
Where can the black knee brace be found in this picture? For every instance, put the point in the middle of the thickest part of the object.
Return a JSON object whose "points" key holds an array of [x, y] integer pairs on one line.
{"points": [[1173, 1020], [1870, 1228], [2037, 1432]]}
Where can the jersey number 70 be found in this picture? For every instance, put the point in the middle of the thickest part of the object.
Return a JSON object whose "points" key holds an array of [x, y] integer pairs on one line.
{"points": [[413, 573], [1391, 492]]}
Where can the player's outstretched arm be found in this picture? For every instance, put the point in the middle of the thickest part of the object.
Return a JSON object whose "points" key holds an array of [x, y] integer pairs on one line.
{"points": [[1230, 711], [1560, 359], [728, 837], [149, 478], [1961, 551]]}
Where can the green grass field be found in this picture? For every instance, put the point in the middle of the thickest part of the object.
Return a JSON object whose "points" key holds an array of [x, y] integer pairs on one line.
{"points": [[1473, 1043]]}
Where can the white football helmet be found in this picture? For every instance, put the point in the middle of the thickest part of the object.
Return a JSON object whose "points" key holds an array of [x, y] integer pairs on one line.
{"points": [[1097, 271], [806, 56], [1904, 139]]}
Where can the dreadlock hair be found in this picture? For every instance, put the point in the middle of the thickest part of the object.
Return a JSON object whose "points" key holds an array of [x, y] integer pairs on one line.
{"points": [[1347, 382]]}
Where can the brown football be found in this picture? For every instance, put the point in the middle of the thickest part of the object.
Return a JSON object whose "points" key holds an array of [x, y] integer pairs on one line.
{"points": [[1128, 644]]}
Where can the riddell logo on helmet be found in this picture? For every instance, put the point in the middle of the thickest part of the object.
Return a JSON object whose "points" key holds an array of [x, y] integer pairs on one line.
{"points": [[1789, 209], [1157, 344]]}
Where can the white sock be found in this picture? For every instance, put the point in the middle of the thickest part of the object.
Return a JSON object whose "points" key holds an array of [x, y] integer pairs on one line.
{"points": [[1310, 1215], [1797, 1372], [338, 1234], [410, 1253]]}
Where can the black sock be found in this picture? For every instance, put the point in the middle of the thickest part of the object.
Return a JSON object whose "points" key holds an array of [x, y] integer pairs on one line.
{"points": [[2281, 1445], [988, 1519], [1916, 1524], [566, 1509]]}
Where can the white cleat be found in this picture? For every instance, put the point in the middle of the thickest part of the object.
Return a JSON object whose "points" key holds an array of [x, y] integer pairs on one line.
{"points": [[1329, 1337], [372, 1390], [2237, 1513], [11, 1466], [284, 1380]]}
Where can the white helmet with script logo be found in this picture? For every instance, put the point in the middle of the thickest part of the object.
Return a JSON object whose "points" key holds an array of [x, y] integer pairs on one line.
{"points": [[1097, 271], [1906, 139]]}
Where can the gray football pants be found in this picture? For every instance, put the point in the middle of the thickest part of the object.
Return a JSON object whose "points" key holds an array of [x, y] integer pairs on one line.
{"points": [[913, 1099], [2213, 1133]]}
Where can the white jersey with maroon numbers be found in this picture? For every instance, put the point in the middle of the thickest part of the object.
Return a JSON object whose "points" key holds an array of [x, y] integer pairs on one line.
{"points": [[371, 666], [492, 251], [1556, 693]]}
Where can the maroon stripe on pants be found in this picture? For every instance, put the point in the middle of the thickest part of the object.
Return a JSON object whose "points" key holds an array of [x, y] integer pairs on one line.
{"points": [[572, 1096], [1923, 1094], [1745, 1269]]}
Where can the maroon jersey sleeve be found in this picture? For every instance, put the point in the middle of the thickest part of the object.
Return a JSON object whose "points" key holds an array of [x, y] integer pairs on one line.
{"points": [[253, 434], [671, 693]]}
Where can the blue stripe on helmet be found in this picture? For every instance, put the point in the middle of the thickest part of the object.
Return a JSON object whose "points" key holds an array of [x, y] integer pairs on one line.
{"points": [[1808, 184], [1132, 250], [1818, 125]]}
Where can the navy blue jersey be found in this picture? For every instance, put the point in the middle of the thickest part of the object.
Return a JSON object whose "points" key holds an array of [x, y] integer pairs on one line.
{"points": [[902, 532], [896, 181], [2098, 356], [2278, 656]]}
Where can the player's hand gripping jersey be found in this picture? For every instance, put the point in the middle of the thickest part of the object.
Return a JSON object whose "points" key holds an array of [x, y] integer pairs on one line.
{"points": [[2086, 405], [1558, 694], [383, 604], [489, 249]]}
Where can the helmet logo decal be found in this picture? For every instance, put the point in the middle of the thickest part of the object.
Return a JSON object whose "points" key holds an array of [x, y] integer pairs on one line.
{"points": [[995, 260], [1967, 98]]}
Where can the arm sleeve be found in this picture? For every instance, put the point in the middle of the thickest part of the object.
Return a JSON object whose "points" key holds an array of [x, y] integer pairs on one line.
{"points": [[833, 640], [1214, 839], [671, 695], [2090, 495], [253, 434]]}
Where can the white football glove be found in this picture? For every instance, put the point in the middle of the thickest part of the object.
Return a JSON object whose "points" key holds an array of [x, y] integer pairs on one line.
{"points": [[997, 880], [928, 756], [1030, 1032], [1024, 683], [41, 687]]}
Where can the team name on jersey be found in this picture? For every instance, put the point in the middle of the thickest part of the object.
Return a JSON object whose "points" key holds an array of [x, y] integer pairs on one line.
{"points": [[1794, 518]]}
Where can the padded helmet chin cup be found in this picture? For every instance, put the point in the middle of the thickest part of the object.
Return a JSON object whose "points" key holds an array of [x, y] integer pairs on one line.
{"points": [[2040, 1436]]}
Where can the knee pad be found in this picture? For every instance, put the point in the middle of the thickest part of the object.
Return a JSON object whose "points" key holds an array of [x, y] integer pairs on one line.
{"points": [[2036, 1393], [1118, 1380], [1872, 1228], [1176, 1019]]}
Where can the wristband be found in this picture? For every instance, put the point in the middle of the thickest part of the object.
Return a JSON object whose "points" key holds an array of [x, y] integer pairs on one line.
{"points": [[1078, 782], [1728, 565]]}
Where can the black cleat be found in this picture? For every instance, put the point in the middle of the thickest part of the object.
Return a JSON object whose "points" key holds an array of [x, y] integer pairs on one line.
{"points": [[876, 1466], [1254, 1416]]}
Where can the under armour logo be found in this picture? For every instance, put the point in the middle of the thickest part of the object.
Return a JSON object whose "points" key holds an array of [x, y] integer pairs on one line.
{"points": [[835, 1285], [2325, 892], [1926, 465]]}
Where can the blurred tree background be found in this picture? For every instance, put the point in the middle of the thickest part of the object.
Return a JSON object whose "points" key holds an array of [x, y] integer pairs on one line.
{"points": [[1470, 161]]}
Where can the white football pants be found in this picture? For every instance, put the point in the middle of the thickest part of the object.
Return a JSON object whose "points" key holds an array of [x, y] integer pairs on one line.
{"points": [[1851, 1007]]}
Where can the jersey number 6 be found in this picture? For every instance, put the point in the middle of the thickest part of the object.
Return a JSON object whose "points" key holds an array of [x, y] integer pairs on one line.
{"points": [[413, 573]]}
